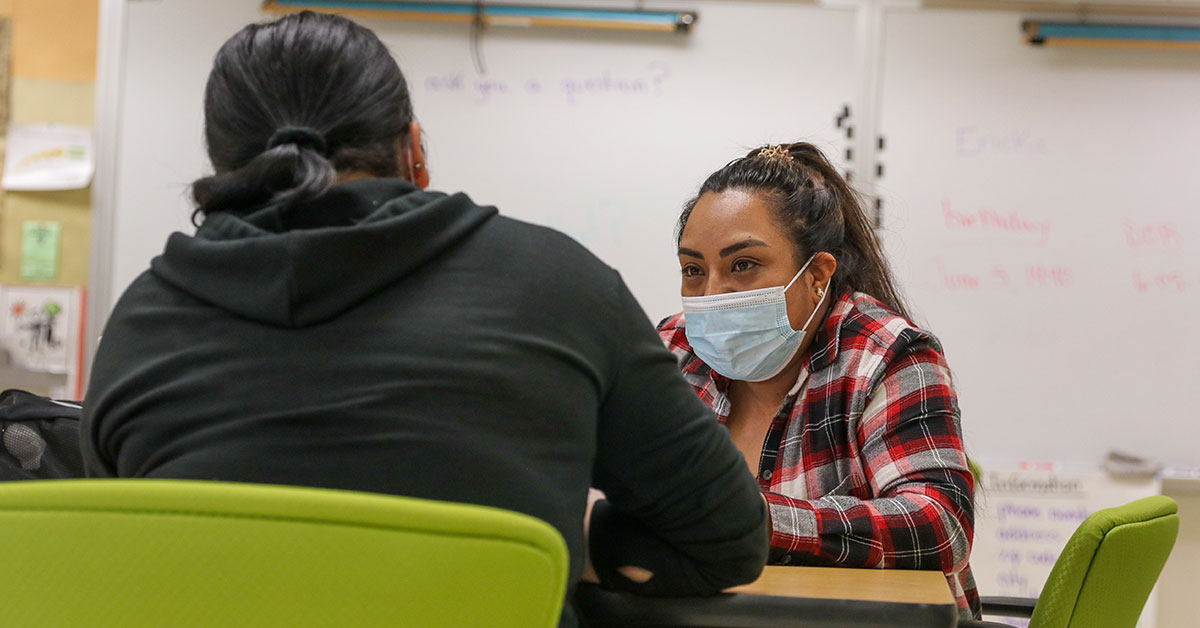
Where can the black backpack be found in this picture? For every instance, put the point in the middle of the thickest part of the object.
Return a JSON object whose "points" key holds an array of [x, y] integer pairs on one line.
{"points": [[39, 437]]}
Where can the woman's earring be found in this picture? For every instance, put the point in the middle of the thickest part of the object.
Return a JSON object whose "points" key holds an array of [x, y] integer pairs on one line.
{"points": [[820, 293]]}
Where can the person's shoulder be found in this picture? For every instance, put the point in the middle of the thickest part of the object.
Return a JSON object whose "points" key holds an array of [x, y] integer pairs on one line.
{"points": [[517, 231], [148, 289], [886, 344], [537, 244], [872, 326]]}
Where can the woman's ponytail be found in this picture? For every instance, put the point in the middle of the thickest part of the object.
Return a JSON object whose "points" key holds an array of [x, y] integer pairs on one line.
{"points": [[290, 104], [293, 169]]}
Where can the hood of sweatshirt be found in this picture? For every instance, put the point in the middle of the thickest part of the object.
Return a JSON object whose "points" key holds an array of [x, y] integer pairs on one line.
{"points": [[299, 266]]}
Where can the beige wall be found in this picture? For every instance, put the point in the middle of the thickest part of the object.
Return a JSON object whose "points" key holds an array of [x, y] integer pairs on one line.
{"points": [[1179, 583], [53, 80]]}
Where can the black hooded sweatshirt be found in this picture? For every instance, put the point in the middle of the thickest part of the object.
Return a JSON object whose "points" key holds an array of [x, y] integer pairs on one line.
{"points": [[381, 338]]}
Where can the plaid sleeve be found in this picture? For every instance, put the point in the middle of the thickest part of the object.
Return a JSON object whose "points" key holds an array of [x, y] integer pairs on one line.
{"points": [[910, 445], [674, 335]]}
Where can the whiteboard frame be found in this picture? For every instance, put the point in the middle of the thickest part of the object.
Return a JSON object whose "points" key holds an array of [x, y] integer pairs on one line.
{"points": [[110, 61]]}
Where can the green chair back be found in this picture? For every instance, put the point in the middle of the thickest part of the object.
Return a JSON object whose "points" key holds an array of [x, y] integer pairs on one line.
{"points": [[976, 471], [142, 553], [1108, 567]]}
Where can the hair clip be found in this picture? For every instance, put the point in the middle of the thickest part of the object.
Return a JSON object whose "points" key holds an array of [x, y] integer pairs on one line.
{"points": [[778, 151]]}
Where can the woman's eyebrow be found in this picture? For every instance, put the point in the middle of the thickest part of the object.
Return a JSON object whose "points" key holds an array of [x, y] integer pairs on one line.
{"points": [[691, 253], [747, 243]]}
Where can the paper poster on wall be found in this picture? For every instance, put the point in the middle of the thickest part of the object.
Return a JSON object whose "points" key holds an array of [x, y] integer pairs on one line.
{"points": [[1024, 517], [43, 157], [41, 327], [40, 245]]}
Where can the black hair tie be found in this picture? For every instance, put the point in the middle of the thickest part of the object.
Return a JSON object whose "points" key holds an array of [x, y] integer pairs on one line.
{"points": [[300, 136]]}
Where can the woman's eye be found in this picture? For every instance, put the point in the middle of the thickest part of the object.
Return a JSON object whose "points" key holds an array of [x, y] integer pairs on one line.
{"points": [[743, 265], [691, 271]]}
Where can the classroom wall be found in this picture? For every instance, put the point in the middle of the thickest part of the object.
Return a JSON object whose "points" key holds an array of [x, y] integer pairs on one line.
{"points": [[53, 80]]}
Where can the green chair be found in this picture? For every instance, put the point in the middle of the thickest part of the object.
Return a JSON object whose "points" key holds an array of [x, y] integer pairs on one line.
{"points": [[976, 470], [1105, 572], [142, 553]]}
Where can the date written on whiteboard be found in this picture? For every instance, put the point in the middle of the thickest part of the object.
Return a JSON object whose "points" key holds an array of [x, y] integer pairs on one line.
{"points": [[1163, 237], [1164, 281], [1005, 277], [1160, 241]]}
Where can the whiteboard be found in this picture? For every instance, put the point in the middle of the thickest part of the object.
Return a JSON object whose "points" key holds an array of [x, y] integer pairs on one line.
{"points": [[601, 135], [1024, 517], [1043, 212]]}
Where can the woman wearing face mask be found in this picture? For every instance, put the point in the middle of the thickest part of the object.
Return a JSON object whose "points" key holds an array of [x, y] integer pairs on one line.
{"points": [[793, 331]]}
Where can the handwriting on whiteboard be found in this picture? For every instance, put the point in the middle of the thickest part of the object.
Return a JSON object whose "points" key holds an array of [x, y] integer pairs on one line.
{"points": [[1027, 516], [990, 220], [972, 141], [1035, 276], [1157, 249], [1152, 236], [1157, 246], [1169, 281], [646, 82], [1032, 276]]}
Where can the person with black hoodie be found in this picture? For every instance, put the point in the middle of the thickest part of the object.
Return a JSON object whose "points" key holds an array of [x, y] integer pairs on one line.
{"points": [[334, 324]]}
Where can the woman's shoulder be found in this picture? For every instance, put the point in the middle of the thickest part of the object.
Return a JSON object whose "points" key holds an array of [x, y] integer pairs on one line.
{"points": [[871, 326], [538, 240]]}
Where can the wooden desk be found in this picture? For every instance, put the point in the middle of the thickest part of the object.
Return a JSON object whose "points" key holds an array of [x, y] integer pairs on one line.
{"points": [[809, 597]]}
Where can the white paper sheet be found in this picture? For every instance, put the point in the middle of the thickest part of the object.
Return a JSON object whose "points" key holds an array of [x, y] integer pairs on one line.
{"points": [[40, 327], [48, 157]]}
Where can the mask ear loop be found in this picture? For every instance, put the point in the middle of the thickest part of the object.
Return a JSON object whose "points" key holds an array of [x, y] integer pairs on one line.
{"points": [[820, 292], [802, 269], [816, 308]]}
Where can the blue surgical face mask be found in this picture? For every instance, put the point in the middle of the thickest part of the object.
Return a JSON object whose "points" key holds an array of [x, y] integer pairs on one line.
{"points": [[745, 336]]}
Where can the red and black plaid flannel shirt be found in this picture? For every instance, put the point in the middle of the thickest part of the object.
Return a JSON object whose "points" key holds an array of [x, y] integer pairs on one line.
{"points": [[863, 465]]}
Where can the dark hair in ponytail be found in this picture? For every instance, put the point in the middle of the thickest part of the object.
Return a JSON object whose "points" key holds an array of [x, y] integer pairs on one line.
{"points": [[818, 209], [291, 103]]}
